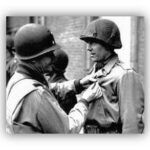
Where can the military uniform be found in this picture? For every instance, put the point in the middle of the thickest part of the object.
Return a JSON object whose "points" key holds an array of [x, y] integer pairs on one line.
{"points": [[11, 61], [32, 108], [66, 101], [121, 108], [56, 75]]}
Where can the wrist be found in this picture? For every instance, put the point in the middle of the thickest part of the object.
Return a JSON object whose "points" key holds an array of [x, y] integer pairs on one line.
{"points": [[78, 86], [85, 102]]}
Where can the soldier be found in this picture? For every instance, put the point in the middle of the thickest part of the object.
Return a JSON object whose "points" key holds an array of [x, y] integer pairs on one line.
{"points": [[11, 61], [56, 75], [121, 107], [31, 106]]}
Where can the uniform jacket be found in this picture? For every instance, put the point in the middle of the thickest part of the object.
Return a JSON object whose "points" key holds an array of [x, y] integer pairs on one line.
{"points": [[32, 108], [122, 104], [66, 101]]}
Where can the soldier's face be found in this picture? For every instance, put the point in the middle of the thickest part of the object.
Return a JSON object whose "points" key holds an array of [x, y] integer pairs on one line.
{"points": [[46, 62], [97, 51]]}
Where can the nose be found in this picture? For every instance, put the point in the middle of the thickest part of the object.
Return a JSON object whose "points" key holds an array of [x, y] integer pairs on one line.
{"points": [[89, 47]]}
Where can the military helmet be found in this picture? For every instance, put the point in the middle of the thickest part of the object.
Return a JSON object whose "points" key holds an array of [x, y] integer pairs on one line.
{"points": [[103, 31], [60, 60], [33, 40]]}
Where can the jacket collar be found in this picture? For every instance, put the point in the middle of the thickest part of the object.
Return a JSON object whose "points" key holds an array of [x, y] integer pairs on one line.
{"points": [[108, 66], [31, 72]]}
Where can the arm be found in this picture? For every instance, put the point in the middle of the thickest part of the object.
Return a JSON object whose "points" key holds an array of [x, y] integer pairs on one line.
{"points": [[77, 86], [40, 112], [65, 87], [67, 102], [54, 120], [131, 99]]}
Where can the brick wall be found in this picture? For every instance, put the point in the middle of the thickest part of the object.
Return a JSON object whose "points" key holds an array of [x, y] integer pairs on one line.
{"points": [[67, 30], [15, 22]]}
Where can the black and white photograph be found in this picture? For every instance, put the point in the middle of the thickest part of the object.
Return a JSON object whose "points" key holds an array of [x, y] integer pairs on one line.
{"points": [[75, 74]]}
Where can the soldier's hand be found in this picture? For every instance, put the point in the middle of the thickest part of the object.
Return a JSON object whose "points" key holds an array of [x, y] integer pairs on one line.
{"points": [[87, 80], [93, 92]]}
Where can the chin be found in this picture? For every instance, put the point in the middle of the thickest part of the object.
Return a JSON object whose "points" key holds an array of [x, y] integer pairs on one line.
{"points": [[94, 60]]}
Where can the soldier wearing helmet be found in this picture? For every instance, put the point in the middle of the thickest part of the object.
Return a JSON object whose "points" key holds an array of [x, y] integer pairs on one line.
{"points": [[31, 106], [11, 61], [60, 57], [121, 107], [56, 75]]}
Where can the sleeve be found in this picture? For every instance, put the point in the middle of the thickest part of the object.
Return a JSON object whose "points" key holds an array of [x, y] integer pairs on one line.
{"points": [[68, 101], [131, 99], [77, 117], [53, 119], [63, 88]]}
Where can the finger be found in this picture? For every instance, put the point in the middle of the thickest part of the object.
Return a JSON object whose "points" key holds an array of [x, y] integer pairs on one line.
{"points": [[93, 86], [99, 92], [92, 80], [97, 88]]}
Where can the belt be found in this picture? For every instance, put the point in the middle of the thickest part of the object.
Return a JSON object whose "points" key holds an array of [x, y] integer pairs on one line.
{"points": [[95, 129]]}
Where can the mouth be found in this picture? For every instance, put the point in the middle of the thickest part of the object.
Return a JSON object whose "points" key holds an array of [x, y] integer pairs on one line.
{"points": [[92, 54]]}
